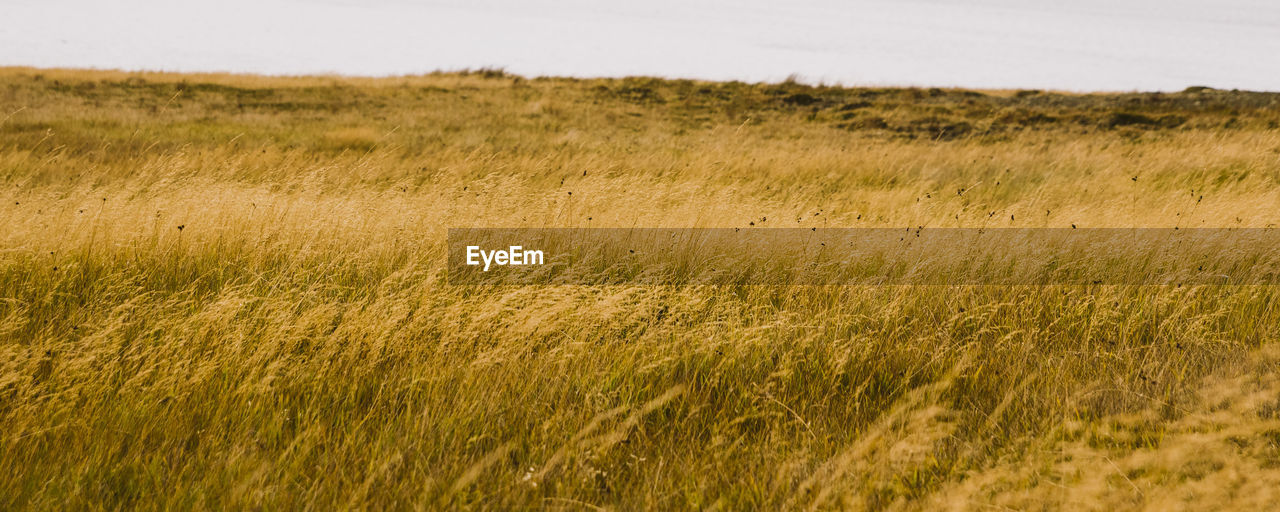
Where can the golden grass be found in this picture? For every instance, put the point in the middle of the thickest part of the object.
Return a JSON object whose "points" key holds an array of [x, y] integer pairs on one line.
{"points": [[227, 292]]}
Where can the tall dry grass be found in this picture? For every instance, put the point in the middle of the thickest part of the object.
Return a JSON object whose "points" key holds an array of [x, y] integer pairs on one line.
{"points": [[228, 292]]}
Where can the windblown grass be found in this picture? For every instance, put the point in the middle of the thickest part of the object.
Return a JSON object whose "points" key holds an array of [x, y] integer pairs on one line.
{"points": [[228, 292]]}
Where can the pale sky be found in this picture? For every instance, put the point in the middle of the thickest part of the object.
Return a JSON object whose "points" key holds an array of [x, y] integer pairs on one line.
{"points": [[1047, 44]]}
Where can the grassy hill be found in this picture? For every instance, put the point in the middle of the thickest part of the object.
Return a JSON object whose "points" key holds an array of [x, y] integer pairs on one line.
{"points": [[223, 291]]}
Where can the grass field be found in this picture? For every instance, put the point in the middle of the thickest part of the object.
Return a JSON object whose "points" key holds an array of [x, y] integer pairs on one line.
{"points": [[225, 291]]}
